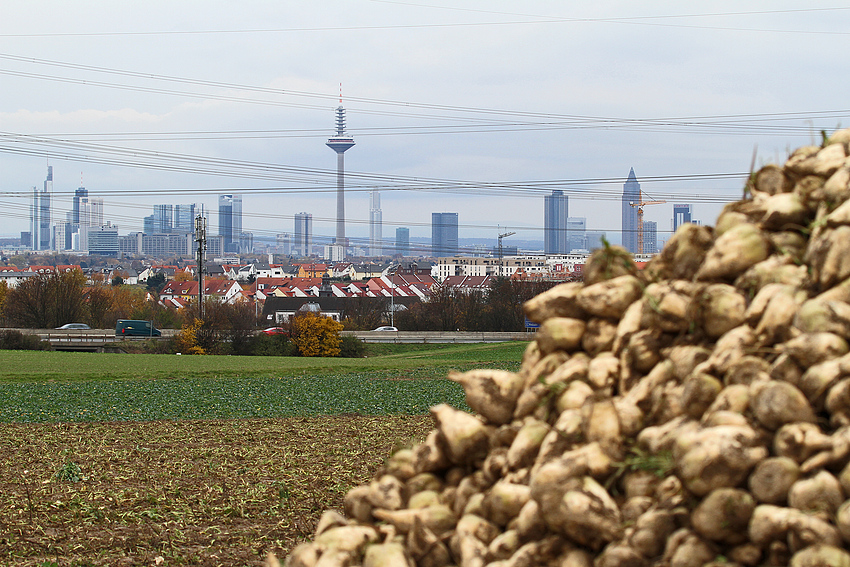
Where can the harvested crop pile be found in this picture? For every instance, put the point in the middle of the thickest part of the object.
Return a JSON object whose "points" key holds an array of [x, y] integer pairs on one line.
{"points": [[695, 413]]}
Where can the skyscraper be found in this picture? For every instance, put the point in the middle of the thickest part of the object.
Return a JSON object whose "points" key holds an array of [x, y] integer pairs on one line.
{"points": [[40, 215], [284, 243], [91, 218], [375, 228], [631, 194], [650, 237], [163, 219], [303, 243], [681, 215], [577, 233], [80, 193], [230, 221], [402, 241], [340, 143], [184, 219], [443, 234], [556, 212]]}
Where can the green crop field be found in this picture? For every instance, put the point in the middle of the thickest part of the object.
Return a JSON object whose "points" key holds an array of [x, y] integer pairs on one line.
{"points": [[64, 387], [114, 459]]}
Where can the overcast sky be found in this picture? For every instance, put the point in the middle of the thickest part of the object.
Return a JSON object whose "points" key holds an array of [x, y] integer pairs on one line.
{"points": [[474, 107]]}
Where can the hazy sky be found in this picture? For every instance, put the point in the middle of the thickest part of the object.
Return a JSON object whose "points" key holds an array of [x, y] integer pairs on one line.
{"points": [[474, 107]]}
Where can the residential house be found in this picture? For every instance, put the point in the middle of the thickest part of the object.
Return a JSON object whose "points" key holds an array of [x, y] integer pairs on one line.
{"points": [[64, 268], [13, 278], [129, 275], [215, 271], [265, 270], [312, 270], [226, 291], [342, 270], [279, 310], [42, 269], [468, 284], [366, 271], [167, 271]]}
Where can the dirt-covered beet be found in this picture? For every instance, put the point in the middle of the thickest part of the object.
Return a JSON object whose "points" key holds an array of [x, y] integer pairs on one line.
{"points": [[694, 413]]}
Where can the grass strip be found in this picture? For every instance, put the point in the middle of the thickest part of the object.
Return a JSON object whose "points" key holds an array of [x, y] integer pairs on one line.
{"points": [[40, 366]]}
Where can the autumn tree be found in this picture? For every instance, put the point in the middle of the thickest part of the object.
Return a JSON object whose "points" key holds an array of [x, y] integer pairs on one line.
{"points": [[47, 300], [4, 290], [98, 305], [316, 335], [186, 341], [226, 328]]}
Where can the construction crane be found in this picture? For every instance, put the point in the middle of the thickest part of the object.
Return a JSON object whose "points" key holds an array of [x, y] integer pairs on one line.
{"points": [[640, 205], [501, 236]]}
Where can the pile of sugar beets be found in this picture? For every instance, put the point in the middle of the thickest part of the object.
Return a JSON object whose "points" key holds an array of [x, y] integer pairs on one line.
{"points": [[693, 413]]}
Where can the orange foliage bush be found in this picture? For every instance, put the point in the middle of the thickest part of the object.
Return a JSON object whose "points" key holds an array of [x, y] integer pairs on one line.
{"points": [[316, 335]]}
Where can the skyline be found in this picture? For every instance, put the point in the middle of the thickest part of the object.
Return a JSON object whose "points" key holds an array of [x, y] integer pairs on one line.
{"points": [[473, 108]]}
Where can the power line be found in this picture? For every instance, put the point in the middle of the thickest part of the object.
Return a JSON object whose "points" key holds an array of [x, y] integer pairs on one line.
{"points": [[550, 120], [537, 20]]}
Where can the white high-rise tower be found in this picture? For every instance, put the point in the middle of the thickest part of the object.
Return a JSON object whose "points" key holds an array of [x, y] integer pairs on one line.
{"points": [[340, 143], [41, 231], [375, 228]]}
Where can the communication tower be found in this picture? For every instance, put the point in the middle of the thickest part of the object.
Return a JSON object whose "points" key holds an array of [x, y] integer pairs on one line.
{"points": [[340, 143]]}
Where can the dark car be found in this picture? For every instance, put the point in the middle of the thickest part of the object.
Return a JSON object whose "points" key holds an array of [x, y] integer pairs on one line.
{"points": [[67, 326], [136, 328]]}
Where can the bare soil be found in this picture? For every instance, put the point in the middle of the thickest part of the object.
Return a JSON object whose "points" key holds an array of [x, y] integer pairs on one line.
{"points": [[182, 492]]}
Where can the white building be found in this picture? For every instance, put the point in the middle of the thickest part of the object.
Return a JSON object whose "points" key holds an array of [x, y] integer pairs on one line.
{"points": [[375, 226]]}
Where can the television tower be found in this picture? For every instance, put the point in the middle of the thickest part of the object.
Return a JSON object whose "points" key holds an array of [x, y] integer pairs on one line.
{"points": [[339, 144]]}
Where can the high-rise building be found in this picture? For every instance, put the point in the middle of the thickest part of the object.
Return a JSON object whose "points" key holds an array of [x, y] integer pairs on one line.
{"points": [[631, 194], [163, 219], [340, 143], [402, 241], [230, 221], [443, 234], [40, 214], [184, 219], [284, 243], [556, 212], [595, 240], [375, 228], [79, 193], [103, 240], [246, 243], [681, 215], [650, 237], [91, 217], [303, 244], [577, 233]]}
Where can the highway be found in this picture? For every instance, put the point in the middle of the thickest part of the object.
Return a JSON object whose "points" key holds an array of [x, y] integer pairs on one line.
{"points": [[96, 339]]}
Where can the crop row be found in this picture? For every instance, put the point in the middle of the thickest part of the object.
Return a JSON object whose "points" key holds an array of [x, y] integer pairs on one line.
{"points": [[224, 398]]}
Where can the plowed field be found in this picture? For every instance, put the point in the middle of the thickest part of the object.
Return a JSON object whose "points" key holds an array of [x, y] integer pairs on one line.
{"points": [[205, 492]]}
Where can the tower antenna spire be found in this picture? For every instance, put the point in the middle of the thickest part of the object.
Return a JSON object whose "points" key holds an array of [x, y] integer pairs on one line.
{"points": [[340, 143]]}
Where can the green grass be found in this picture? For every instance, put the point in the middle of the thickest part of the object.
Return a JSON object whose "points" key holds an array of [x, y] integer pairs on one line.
{"points": [[67, 387], [38, 366]]}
